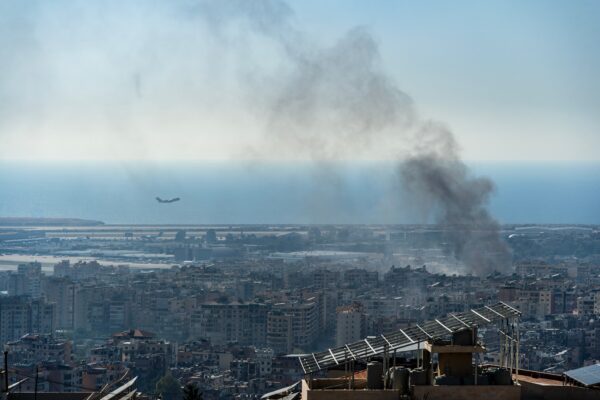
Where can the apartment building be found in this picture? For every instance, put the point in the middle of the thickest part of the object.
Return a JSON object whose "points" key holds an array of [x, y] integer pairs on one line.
{"points": [[221, 323]]}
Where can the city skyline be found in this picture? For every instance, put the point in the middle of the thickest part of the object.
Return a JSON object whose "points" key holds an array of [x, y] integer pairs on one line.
{"points": [[299, 199]]}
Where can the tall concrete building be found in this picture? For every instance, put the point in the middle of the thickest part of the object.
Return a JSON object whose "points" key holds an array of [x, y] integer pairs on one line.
{"points": [[221, 323], [279, 332], [20, 315], [61, 292], [302, 317], [350, 324], [27, 281]]}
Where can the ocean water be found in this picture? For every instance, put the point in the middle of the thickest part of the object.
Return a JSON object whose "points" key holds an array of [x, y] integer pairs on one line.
{"points": [[241, 192]]}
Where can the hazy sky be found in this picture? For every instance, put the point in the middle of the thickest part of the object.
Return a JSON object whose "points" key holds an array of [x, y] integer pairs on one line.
{"points": [[514, 80]]}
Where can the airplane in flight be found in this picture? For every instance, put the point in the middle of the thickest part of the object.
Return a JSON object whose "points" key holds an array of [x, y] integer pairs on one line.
{"points": [[167, 200]]}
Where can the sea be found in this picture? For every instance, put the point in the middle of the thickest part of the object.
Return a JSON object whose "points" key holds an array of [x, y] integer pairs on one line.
{"points": [[242, 192]]}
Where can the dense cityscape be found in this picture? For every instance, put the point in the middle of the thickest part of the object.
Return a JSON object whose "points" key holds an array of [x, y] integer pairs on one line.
{"points": [[230, 308], [299, 200]]}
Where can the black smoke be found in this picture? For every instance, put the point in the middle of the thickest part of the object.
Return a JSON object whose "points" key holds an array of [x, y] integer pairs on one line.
{"points": [[338, 103], [146, 76]]}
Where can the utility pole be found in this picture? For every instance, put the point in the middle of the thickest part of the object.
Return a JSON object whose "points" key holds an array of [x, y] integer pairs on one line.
{"points": [[36, 383], [73, 306], [6, 371]]}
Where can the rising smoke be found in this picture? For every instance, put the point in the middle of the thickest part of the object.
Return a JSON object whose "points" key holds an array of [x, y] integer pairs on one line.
{"points": [[338, 103], [135, 71]]}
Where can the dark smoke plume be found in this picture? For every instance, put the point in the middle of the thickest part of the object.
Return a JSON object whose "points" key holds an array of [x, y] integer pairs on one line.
{"points": [[337, 103], [144, 74], [458, 203]]}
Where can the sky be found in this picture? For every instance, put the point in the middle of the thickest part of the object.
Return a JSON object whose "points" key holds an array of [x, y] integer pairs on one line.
{"points": [[151, 80], [516, 80]]}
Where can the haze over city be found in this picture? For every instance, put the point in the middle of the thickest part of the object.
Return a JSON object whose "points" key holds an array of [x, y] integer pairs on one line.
{"points": [[299, 200]]}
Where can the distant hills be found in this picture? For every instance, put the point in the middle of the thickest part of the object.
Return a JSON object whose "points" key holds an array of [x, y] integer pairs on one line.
{"points": [[17, 221]]}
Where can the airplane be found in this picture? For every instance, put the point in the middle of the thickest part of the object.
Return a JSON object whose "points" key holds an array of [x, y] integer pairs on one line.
{"points": [[168, 200]]}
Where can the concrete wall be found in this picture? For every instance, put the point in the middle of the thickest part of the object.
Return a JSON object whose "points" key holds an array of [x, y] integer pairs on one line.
{"points": [[359, 394], [351, 395], [337, 383], [542, 392], [455, 364], [419, 392], [467, 392], [527, 391]]}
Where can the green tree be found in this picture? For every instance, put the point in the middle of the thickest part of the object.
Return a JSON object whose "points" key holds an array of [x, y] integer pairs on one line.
{"points": [[168, 387], [191, 392]]}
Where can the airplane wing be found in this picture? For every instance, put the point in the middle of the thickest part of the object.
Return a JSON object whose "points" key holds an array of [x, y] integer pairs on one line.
{"points": [[167, 200]]}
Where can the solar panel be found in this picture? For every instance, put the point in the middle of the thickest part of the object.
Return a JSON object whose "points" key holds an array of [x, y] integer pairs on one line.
{"points": [[587, 376], [436, 329]]}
